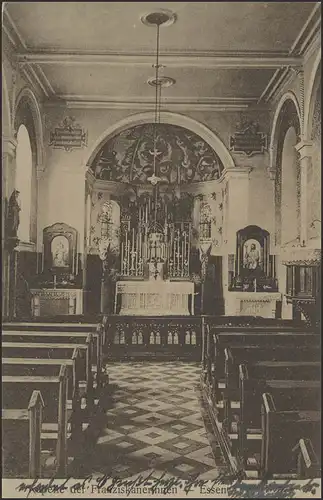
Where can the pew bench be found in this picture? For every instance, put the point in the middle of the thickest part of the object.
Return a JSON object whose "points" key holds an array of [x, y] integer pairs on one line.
{"points": [[94, 340], [21, 440], [283, 445], [297, 398], [54, 389], [46, 367], [49, 350]]}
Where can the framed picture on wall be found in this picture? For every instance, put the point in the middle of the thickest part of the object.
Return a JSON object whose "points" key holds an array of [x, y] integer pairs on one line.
{"points": [[60, 249]]}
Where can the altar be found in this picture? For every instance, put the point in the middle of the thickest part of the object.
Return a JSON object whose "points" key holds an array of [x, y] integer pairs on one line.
{"points": [[252, 304], [155, 298]]}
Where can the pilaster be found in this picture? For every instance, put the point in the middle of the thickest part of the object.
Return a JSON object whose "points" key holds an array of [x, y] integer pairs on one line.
{"points": [[237, 216], [305, 151]]}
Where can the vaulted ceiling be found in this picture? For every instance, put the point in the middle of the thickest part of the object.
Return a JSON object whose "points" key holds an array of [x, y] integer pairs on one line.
{"points": [[100, 53]]}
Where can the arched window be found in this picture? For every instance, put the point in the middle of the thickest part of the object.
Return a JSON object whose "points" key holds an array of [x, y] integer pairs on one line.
{"points": [[23, 181]]}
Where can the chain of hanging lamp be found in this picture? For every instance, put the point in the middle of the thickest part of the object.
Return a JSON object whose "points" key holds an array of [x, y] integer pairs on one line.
{"points": [[154, 179]]}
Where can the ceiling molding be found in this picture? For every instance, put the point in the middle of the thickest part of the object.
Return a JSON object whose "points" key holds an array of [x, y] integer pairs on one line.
{"points": [[12, 31], [45, 80], [271, 85], [188, 59], [30, 77], [308, 32], [173, 104]]}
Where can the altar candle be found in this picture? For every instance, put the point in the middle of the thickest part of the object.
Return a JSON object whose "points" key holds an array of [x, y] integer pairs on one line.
{"points": [[42, 259], [137, 245], [73, 261], [37, 262], [183, 256], [77, 262], [178, 253], [174, 247], [133, 239], [122, 258]]}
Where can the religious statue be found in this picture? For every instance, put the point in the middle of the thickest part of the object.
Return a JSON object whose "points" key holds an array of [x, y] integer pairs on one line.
{"points": [[252, 258], [13, 217], [60, 253]]}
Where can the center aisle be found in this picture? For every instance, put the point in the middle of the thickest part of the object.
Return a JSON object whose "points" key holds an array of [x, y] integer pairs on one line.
{"points": [[154, 421]]}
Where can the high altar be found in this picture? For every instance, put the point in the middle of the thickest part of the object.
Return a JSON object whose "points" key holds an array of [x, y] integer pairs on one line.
{"points": [[156, 252]]}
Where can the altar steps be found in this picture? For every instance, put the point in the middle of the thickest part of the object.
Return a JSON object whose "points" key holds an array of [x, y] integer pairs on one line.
{"points": [[151, 353]]}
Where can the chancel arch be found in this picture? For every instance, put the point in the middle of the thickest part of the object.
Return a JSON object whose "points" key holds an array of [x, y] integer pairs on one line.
{"points": [[158, 232], [166, 118]]}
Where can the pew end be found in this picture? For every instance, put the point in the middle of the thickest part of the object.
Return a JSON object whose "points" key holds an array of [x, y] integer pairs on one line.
{"points": [[308, 466]]}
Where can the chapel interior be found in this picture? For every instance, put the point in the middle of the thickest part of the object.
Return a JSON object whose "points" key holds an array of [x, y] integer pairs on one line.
{"points": [[161, 240]]}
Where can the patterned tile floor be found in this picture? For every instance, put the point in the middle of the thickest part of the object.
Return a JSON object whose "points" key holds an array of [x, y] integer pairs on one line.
{"points": [[154, 420]]}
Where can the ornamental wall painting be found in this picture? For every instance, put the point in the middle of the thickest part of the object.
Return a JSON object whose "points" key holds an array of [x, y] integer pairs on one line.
{"points": [[181, 156]]}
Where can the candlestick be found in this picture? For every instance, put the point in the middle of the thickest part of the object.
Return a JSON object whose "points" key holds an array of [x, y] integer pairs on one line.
{"points": [[42, 259], [77, 261], [182, 257], [37, 262], [178, 252], [73, 261]]}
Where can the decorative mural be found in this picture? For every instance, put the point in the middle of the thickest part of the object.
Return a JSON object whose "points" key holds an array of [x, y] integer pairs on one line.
{"points": [[181, 156]]}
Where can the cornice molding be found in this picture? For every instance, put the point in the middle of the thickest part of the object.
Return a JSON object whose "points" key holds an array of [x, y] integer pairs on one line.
{"points": [[304, 149], [308, 32], [12, 31], [30, 77], [209, 59], [176, 104]]}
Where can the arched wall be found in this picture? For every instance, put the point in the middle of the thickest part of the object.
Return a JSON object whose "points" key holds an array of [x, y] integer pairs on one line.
{"points": [[275, 128], [289, 164], [27, 112], [288, 116], [310, 98], [27, 97], [6, 113], [169, 118]]}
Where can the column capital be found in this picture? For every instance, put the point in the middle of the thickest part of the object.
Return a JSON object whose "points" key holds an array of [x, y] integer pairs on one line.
{"points": [[40, 169], [271, 173], [9, 146], [237, 172], [304, 149]]}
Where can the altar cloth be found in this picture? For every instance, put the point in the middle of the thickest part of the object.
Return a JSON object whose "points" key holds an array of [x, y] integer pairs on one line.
{"points": [[155, 298]]}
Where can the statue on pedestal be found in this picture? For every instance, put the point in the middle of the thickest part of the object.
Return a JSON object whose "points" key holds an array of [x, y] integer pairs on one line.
{"points": [[13, 219]]}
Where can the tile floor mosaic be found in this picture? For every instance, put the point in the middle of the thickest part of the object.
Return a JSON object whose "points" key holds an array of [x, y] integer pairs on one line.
{"points": [[155, 421]]}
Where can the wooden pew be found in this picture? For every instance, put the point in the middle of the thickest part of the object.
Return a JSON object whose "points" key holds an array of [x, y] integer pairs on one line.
{"points": [[308, 463], [53, 351], [283, 434], [16, 394], [23, 426], [67, 338], [290, 396], [76, 372], [250, 346], [265, 369]]}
